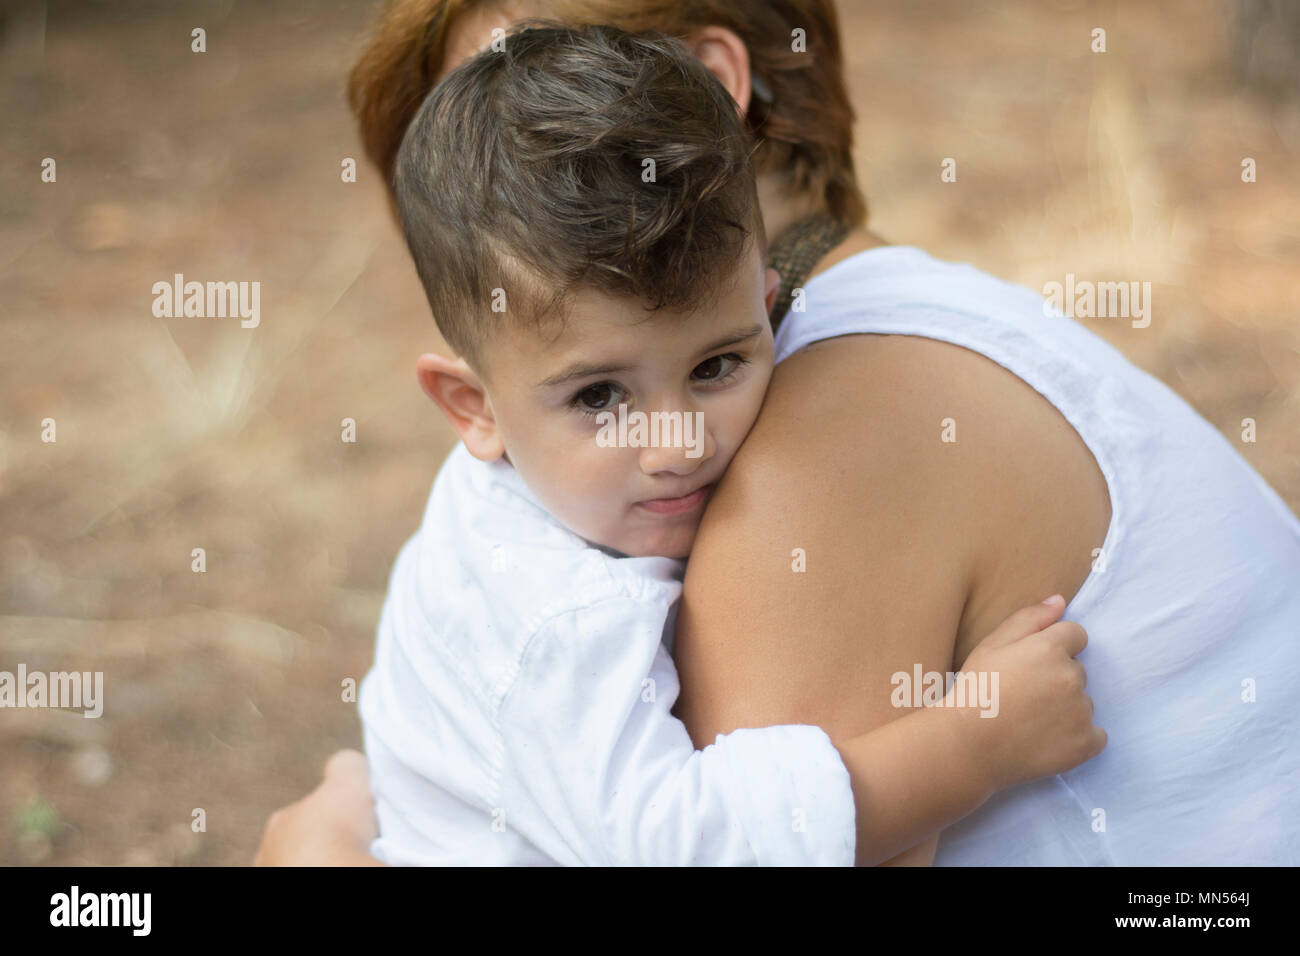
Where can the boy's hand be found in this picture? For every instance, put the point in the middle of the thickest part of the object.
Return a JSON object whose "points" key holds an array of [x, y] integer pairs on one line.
{"points": [[1043, 725]]}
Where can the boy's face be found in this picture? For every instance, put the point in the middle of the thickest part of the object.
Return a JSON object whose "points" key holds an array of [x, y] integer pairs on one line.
{"points": [[712, 368]]}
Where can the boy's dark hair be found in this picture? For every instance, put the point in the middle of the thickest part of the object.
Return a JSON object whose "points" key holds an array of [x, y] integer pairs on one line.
{"points": [[526, 171]]}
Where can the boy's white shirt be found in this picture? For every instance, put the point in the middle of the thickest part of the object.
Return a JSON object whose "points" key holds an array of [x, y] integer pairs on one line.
{"points": [[519, 708]]}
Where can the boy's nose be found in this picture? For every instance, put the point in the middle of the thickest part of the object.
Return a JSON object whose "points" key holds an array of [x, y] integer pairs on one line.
{"points": [[680, 458]]}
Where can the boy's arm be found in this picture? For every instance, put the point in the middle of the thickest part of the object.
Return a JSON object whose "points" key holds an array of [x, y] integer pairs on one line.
{"points": [[911, 778], [598, 771], [924, 771], [639, 793]]}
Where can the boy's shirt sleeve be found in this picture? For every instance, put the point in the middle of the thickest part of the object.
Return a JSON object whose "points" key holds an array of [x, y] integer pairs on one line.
{"points": [[598, 771]]}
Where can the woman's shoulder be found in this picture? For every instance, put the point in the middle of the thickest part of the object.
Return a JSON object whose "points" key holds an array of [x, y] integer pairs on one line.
{"points": [[939, 450], [894, 494]]}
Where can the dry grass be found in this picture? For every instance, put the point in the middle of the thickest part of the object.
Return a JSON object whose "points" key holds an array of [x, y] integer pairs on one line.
{"points": [[224, 688]]}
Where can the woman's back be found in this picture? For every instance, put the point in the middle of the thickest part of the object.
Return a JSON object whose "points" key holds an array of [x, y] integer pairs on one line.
{"points": [[1193, 606]]}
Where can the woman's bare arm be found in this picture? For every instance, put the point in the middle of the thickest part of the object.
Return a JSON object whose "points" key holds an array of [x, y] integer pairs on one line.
{"points": [[912, 548]]}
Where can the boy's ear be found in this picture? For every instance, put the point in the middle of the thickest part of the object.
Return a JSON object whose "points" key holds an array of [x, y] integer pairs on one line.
{"points": [[773, 286], [727, 57], [458, 391]]}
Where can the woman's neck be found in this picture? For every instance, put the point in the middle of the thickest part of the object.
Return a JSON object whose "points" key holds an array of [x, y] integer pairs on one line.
{"points": [[781, 210], [781, 207]]}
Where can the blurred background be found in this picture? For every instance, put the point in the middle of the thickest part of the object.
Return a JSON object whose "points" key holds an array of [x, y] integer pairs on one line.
{"points": [[224, 689]]}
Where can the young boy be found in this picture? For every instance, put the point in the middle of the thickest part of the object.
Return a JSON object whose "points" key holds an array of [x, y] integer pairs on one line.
{"points": [[584, 219]]}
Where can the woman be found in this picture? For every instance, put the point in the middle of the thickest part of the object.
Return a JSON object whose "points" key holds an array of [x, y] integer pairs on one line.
{"points": [[934, 452]]}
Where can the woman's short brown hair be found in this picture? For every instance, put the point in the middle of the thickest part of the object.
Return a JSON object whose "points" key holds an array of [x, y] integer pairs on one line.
{"points": [[805, 132]]}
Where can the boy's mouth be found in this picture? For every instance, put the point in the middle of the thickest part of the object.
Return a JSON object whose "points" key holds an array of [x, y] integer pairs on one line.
{"points": [[677, 506]]}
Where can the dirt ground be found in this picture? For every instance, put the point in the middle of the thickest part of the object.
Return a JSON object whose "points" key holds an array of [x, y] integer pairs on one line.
{"points": [[223, 688]]}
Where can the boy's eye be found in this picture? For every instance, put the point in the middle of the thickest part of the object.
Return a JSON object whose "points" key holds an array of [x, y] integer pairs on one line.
{"points": [[720, 366], [596, 397]]}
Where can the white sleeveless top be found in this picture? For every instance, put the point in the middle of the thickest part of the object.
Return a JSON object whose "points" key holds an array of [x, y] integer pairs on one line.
{"points": [[1193, 623]]}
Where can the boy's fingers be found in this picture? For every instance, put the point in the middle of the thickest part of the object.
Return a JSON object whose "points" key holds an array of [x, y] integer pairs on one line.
{"points": [[1083, 674], [1099, 740], [1026, 621], [1069, 636]]}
